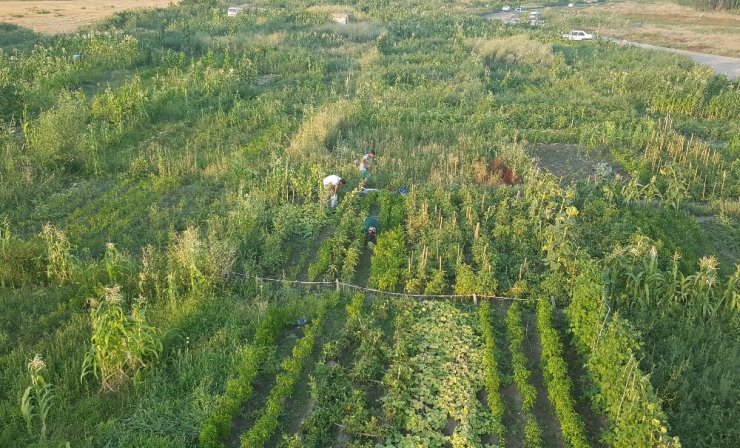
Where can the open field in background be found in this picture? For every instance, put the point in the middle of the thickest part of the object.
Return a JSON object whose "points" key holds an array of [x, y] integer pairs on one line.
{"points": [[657, 23], [65, 16]]}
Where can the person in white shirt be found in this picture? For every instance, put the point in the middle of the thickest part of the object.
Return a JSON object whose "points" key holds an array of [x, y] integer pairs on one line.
{"points": [[332, 183], [365, 167]]}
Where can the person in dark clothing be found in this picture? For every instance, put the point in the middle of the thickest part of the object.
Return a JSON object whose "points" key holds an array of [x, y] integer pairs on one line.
{"points": [[371, 229]]}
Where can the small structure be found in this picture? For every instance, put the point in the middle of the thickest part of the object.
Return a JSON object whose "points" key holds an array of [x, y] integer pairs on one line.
{"points": [[341, 18], [234, 10]]}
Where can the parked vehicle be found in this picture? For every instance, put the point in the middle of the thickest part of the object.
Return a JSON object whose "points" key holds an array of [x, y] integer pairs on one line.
{"points": [[578, 35], [506, 8], [570, 5], [234, 10], [518, 9]]}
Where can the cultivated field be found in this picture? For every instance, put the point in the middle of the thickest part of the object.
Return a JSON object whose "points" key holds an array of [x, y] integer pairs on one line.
{"points": [[65, 16], [555, 263]]}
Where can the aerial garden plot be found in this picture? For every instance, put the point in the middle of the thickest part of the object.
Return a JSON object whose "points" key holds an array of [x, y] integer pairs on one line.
{"points": [[172, 275]]}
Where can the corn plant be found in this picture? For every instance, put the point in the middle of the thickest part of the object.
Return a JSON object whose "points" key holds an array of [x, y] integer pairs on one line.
{"points": [[37, 398], [122, 344], [60, 262]]}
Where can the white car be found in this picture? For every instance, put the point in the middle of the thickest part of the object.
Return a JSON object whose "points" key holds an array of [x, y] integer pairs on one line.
{"points": [[570, 5], [506, 8], [518, 9], [234, 10], [578, 35]]}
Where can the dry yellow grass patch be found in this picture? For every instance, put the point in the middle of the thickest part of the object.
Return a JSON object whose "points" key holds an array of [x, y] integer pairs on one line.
{"points": [[673, 12], [66, 16], [512, 49]]}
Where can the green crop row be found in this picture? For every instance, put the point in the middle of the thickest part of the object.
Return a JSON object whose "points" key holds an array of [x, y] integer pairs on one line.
{"points": [[623, 392], [338, 255], [515, 333], [389, 258], [556, 377], [493, 380], [239, 389], [262, 430], [331, 388]]}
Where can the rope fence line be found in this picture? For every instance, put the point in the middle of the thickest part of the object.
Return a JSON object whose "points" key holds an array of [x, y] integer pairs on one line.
{"points": [[338, 285]]}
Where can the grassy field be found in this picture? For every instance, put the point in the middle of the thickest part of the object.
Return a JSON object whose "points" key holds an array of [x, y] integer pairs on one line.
{"points": [[65, 16], [556, 264], [658, 23]]}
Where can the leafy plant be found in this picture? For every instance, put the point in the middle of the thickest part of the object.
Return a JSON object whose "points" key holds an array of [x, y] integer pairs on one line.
{"points": [[122, 344], [37, 398], [389, 257]]}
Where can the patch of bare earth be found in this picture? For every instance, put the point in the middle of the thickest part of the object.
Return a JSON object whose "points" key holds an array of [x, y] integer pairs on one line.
{"points": [[66, 16], [570, 162]]}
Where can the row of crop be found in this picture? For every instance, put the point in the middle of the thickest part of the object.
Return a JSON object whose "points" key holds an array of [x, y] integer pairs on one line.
{"points": [[515, 333], [338, 255], [239, 388], [343, 389], [262, 430], [330, 387], [559, 384], [435, 241], [609, 344], [493, 378]]}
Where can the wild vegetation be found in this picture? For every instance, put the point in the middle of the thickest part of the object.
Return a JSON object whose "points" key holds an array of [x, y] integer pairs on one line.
{"points": [[161, 168]]}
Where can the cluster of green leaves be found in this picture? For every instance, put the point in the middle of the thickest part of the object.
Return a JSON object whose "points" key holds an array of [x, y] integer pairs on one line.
{"points": [[609, 345], [392, 210], [122, 343], [637, 281], [559, 385], [437, 240], [239, 388], [363, 419], [435, 374], [389, 257], [339, 254], [340, 392], [262, 430], [21, 261]]}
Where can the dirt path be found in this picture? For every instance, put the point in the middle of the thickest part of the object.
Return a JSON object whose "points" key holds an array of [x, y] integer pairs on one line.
{"points": [[66, 16], [543, 411], [362, 273]]}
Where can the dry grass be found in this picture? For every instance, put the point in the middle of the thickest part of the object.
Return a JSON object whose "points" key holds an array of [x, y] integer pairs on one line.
{"points": [[664, 24], [512, 49], [66, 16]]}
